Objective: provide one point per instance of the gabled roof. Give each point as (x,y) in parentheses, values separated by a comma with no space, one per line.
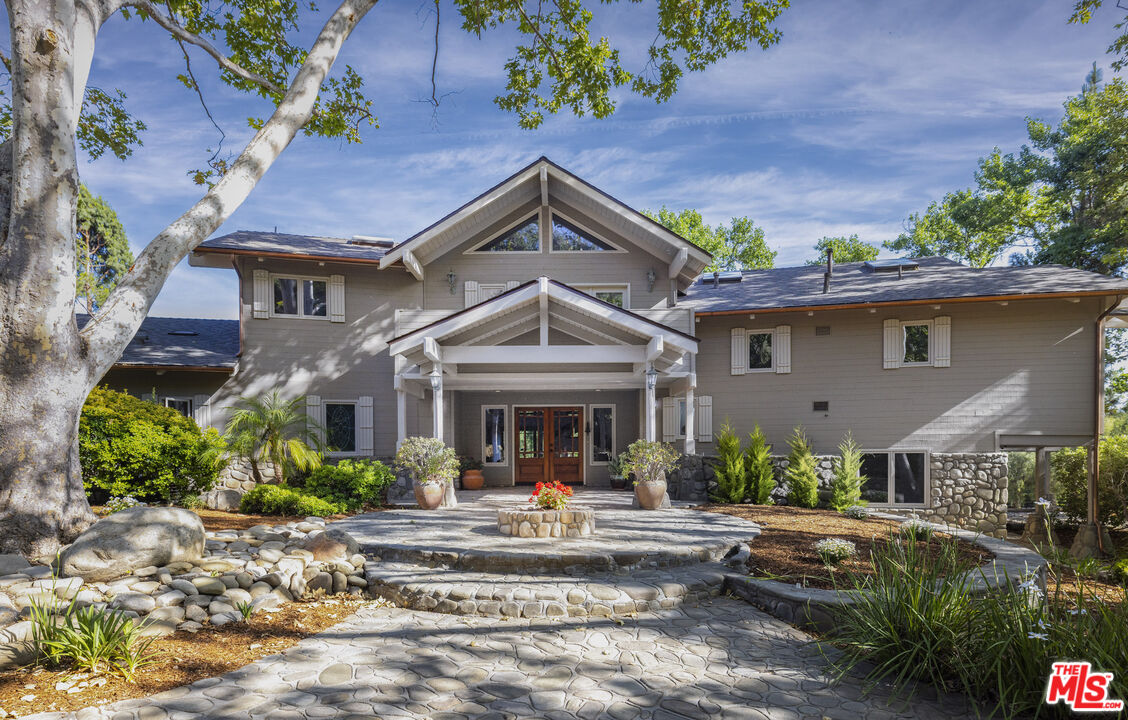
(188,343)
(306,247)
(534,297)
(542,178)
(936,279)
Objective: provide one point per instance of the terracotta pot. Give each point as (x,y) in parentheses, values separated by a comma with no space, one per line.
(618,482)
(651,492)
(472,480)
(429,495)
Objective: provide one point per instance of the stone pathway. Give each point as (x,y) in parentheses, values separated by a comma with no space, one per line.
(723,659)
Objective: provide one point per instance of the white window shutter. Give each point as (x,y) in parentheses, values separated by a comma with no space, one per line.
(739,351)
(337,298)
(942,343)
(470,293)
(315,411)
(781,349)
(262,293)
(704,418)
(364,425)
(509,285)
(894,347)
(670,419)
(201,411)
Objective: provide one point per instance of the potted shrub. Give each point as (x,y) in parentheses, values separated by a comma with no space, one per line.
(432,467)
(649,462)
(615,466)
(471,468)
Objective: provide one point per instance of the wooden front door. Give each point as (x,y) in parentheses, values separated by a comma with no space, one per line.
(550,444)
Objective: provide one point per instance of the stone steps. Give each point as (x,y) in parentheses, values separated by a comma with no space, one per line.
(460,592)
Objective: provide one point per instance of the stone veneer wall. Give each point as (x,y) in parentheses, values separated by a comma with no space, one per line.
(965,489)
(572,523)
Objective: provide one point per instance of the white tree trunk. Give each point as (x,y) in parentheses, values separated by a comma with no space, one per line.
(47,367)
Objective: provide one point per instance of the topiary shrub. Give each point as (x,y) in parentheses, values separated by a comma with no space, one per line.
(351,484)
(129,446)
(729,467)
(282,500)
(758,468)
(846,485)
(802,475)
(1070,477)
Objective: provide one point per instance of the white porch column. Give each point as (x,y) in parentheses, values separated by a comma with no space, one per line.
(437,401)
(401,417)
(690,424)
(651,381)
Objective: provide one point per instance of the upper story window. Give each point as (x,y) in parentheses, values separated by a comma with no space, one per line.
(916,343)
(760,350)
(525,237)
(301,297)
(182,405)
(617,295)
(567,237)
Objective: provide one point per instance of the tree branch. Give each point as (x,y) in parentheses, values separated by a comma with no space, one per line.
(183,35)
(121,314)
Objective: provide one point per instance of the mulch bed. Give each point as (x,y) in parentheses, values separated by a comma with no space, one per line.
(1064,583)
(785,549)
(182,658)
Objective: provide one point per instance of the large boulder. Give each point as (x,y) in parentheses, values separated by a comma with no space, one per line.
(332,544)
(138,537)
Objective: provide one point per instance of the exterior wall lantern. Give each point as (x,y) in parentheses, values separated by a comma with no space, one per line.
(436,381)
(651,379)
(650,278)
(451,278)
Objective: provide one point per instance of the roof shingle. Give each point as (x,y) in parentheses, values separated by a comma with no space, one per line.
(256,242)
(181,342)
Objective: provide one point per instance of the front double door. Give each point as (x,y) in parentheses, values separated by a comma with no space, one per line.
(550,444)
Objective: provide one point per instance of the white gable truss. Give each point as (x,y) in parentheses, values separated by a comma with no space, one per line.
(543,180)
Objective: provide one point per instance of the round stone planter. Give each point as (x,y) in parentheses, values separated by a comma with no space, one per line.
(546,523)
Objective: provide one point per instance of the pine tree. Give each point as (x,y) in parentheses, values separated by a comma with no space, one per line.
(729,468)
(802,478)
(758,468)
(846,485)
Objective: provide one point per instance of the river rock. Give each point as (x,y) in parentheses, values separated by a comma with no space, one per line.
(132,538)
(12,564)
(331,545)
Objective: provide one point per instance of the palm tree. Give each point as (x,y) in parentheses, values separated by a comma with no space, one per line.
(276,430)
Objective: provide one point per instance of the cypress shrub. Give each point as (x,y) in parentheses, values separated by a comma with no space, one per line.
(802,477)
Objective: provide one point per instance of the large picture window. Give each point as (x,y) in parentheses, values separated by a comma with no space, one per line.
(300,297)
(602,434)
(525,237)
(895,478)
(493,436)
(340,426)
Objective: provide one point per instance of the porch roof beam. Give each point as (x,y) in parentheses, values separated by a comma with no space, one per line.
(679,261)
(413,265)
(544,355)
(431,350)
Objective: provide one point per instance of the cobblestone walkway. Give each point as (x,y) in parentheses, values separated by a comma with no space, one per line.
(723,659)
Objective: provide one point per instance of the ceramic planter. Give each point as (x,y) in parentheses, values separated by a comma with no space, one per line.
(651,492)
(618,482)
(429,495)
(472,480)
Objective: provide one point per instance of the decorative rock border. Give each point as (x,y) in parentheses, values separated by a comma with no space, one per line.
(492,595)
(578,522)
(816,608)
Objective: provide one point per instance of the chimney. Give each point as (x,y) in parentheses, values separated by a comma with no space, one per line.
(829,270)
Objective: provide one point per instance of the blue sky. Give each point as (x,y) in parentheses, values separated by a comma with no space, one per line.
(863,113)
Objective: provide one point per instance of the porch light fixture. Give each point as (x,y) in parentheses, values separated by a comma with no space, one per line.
(436,381)
(650,278)
(451,277)
(651,379)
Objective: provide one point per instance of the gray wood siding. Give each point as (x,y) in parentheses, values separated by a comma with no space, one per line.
(1024,367)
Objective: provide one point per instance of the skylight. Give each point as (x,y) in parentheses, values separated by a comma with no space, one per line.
(888,266)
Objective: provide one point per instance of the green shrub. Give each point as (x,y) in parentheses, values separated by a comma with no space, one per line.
(846,485)
(1020,478)
(1120,571)
(729,468)
(758,468)
(1070,477)
(129,446)
(647,459)
(282,500)
(802,477)
(351,484)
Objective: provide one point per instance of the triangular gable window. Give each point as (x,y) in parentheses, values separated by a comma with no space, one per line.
(566,237)
(523,238)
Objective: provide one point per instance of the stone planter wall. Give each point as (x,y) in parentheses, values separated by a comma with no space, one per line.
(236,480)
(578,522)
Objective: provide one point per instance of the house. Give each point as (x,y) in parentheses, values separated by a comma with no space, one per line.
(545,325)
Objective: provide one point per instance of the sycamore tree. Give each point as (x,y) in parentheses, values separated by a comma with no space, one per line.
(739,245)
(846,249)
(47,366)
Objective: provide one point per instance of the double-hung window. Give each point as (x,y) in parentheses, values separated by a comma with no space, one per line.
(895,477)
(300,297)
(340,426)
(181,405)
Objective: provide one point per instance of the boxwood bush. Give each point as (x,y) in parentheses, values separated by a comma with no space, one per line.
(351,484)
(283,500)
(129,446)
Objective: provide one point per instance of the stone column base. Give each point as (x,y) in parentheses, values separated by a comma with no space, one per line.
(1086,544)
